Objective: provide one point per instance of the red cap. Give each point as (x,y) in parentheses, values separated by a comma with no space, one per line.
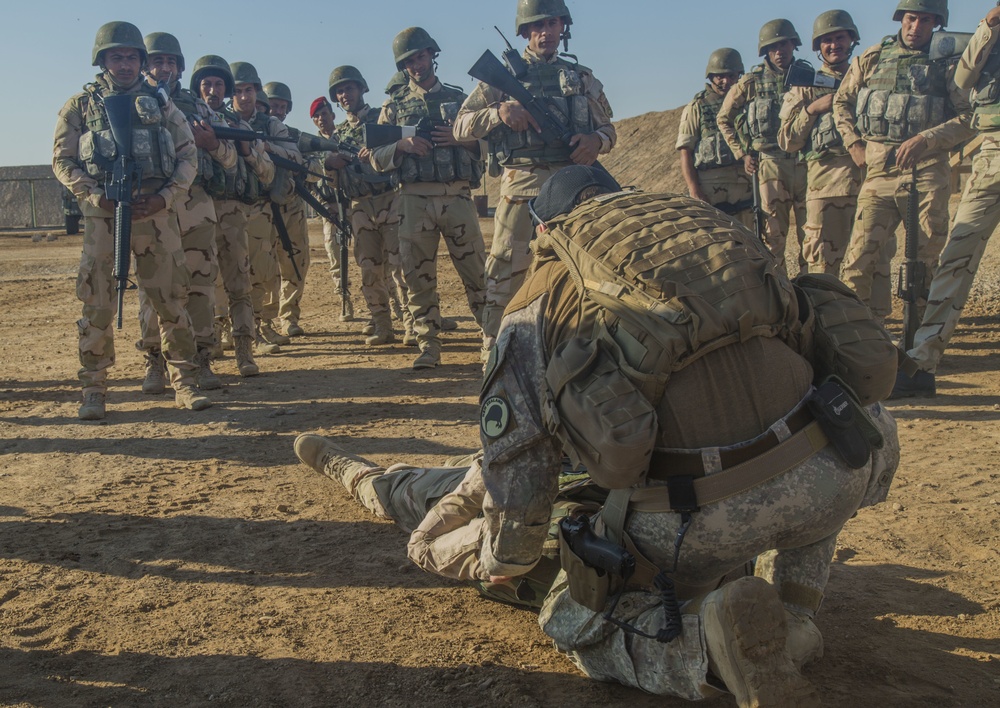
(316,105)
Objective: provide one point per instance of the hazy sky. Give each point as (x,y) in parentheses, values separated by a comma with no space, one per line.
(649,55)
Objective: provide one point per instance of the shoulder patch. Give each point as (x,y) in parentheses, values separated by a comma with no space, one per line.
(494,418)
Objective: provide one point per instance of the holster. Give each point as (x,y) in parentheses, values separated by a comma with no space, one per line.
(588,586)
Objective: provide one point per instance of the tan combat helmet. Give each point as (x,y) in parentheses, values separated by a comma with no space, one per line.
(245,73)
(164,43)
(276,89)
(931,7)
(118,34)
(834,21)
(343,74)
(211,65)
(409,42)
(776,31)
(724,61)
(529,11)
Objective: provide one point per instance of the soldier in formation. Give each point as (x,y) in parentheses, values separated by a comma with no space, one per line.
(711,171)
(977,217)
(83,151)
(807,127)
(519,154)
(755,104)
(212,79)
(437,174)
(899,113)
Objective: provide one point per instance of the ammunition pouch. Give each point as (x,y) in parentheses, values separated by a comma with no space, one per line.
(762,120)
(152,146)
(897,117)
(444,164)
(713,151)
(825,136)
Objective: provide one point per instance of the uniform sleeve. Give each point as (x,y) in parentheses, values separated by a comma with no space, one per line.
(689,130)
(478,116)
(186,167)
(448,540)
(260,162)
(225,154)
(521,459)
(600,111)
(66,154)
(796,124)
(846,98)
(289,151)
(955,130)
(975,55)
(734,102)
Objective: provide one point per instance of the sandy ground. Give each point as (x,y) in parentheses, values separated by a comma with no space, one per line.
(164,557)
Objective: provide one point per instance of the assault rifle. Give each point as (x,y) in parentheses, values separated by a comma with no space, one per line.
(123,180)
(248,135)
(913,272)
(492,72)
(758,206)
(802,73)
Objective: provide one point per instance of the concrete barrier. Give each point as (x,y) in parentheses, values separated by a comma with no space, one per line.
(30,198)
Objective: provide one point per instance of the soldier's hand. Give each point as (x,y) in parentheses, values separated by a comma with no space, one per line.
(415,146)
(444,136)
(857,151)
(909,153)
(204,135)
(698,194)
(821,105)
(516,117)
(993,17)
(364,153)
(147,205)
(335,161)
(243,147)
(588,147)
(106,204)
(750,164)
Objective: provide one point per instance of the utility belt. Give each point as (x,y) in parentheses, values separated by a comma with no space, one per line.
(827,415)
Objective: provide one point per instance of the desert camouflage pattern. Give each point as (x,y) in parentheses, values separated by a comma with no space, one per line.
(762,82)
(782,192)
(722,185)
(263,261)
(332,247)
(232,296)
(160,273)
(977,217)
(424,221)
(375,221)
(509,255)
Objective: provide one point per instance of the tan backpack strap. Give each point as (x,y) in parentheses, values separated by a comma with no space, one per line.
(614,514)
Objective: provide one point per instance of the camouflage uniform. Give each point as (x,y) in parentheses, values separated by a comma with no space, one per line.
(198,220)
(722,177)
(833,179)
(891,68)
(979,211)
(781,175)
(429,209)
(709,405)
(374,219)
(156,243)
(526,168)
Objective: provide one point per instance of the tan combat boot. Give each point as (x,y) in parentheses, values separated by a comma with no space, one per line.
(187,396)
(262,345)
(216,351)
(428,359)
(409,336)
(156,381)
(382,332)
(93,407)
(745,630)
(244,356)
(369,328)
(448,324)
(347,312)
(332,461)
(207,380)
(226,335)
(397,309)
(294,330)
(271,335)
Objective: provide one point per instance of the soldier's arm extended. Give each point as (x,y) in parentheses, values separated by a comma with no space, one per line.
(955,130)
(732,106)
(479,114)
(186,168)
(260,162)
(289,151)
(974,58)
(66,155)
(796,122)
(688,135)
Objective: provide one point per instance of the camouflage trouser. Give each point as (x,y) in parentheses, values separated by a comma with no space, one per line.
(375,221)
(782,190)
(881,208)
(263,266)
(285,289)
(731,186)
(425,219)
(232,295)
(202,264)
(828,228)
(160,272)
(332,247)
(508,261)
(977,217)
(799,512)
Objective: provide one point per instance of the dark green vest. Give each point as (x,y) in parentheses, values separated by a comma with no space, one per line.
(352,177)
(986,95)
(712,149)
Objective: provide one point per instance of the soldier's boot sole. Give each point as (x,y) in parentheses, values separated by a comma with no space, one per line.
(188,397)
(805,641)
(746,633)
(93,408)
